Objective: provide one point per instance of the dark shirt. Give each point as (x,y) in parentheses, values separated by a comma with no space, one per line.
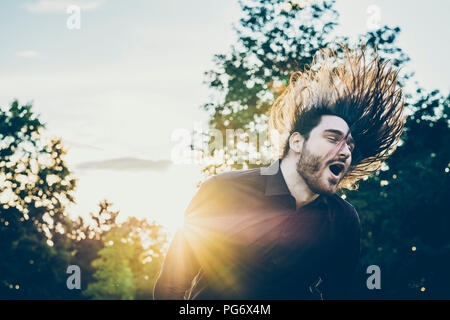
(243,238)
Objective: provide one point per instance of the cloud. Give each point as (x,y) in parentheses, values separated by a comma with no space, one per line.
(126,164)
(60,6)
(27,54)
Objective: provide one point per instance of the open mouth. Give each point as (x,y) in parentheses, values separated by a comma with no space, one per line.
(336,169)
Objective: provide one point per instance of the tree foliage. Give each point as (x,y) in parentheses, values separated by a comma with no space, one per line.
(36,186)
(129,261)
(38,240)
(403,207)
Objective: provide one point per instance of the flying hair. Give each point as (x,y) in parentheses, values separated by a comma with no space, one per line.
(364,92)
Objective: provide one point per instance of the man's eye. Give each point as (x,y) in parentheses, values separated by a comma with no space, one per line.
(351,147)
(332,139)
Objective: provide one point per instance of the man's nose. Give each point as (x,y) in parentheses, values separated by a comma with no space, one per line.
(345,152)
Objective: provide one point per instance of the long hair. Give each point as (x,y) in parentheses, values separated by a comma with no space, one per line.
(364,93)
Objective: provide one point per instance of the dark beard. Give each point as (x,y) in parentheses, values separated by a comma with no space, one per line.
(309,168)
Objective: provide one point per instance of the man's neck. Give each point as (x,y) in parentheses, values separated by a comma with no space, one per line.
(295,183)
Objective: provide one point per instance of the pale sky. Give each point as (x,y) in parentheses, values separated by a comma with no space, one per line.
(116,89)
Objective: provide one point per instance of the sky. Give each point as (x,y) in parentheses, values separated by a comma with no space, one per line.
(116,89)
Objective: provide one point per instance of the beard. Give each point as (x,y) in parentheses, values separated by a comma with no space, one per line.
(311,168)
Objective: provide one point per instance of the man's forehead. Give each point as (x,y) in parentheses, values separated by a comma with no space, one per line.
(333,123)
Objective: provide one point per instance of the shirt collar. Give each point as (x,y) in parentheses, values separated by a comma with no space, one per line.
(275,183)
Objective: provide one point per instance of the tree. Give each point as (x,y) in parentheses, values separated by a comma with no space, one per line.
(36,186)
(38,241)
(403,208)
(129,262)
(88,239)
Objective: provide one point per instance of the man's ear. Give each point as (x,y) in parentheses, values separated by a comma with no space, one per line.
(296,142)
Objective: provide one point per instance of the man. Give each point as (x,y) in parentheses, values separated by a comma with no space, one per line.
(282,232)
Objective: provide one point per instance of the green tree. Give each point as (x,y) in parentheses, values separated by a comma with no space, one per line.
(403,208)
(88,239)
(129,262)
(38,241)
(36,186)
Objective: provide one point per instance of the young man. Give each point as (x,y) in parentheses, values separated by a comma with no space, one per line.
(281,232)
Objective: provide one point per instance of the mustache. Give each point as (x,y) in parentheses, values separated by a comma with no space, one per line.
(336,158)
(341,161)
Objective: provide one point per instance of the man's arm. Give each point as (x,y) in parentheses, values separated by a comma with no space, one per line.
(181,264)
(179,268)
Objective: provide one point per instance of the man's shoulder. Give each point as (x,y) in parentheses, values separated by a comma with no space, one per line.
(235,177)
(223,190)
(234,183)
(347,209)
(244,174)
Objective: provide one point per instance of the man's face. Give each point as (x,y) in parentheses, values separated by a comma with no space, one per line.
(326,155)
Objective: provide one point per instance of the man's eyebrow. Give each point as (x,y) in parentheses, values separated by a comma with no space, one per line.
(339,133)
